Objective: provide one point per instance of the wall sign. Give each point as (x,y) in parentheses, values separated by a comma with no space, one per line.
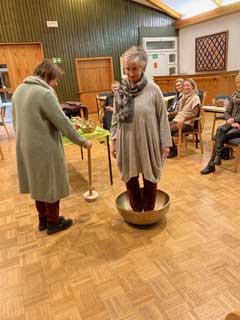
(52,24)
(57,60)
(211,52)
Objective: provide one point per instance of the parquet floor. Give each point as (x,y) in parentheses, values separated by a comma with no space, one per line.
(187,268)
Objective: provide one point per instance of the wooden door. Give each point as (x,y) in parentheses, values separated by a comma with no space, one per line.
(21,60)
(94,75)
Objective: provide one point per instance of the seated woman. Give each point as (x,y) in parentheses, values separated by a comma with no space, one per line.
(108,106)
(230,130)
(188,110)
(173,108)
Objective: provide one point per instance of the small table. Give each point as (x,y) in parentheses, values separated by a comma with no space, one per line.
(215,110)
(99,134)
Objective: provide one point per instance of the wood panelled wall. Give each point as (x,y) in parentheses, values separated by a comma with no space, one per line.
(88,28)
(220,83)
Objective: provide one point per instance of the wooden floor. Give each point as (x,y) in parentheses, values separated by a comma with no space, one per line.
(186,268)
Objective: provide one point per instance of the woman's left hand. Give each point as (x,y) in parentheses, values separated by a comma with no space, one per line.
(165,152)
(180,124)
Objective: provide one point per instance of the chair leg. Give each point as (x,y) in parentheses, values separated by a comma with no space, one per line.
(179,142)
(201,142)
(213,127)
(1,153)
(6,129)
(81,152)
(196,140)
(237,159)
(185,143)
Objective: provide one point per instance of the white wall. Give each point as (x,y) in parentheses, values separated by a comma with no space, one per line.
(187,37)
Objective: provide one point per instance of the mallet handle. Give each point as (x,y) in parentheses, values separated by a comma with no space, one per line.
(89,171)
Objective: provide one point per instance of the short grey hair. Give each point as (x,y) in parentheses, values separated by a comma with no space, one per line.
(136,54)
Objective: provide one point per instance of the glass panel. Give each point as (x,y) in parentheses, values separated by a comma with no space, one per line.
(160,45)
(172,71)
(172,58)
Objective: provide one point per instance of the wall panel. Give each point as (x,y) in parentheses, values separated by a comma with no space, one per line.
(87,28)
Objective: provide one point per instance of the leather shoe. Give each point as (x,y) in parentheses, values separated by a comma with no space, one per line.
(61,225)
(208,169)
(217,161)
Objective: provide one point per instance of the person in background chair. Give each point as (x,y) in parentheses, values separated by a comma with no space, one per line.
(188,110)
(108,106)
(230,130)
(173,108)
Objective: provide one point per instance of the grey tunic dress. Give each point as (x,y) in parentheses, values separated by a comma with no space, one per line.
(138,144)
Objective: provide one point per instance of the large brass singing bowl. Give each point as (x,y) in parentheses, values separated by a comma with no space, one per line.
(146,217)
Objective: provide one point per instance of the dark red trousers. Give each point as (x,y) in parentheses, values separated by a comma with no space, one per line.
(141,200)
(49,210)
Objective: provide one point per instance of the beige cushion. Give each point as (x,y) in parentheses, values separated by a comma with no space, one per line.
(219,103)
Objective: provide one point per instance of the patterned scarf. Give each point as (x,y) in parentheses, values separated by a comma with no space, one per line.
(236,97)
(124,99)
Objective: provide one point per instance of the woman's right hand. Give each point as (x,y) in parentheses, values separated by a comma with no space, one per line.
(113,148)
(87,145)
(230,121)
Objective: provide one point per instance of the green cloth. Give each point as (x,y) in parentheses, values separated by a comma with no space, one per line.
(98,134)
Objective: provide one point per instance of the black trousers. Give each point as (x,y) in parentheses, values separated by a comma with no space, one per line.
(107,119)
(223,134)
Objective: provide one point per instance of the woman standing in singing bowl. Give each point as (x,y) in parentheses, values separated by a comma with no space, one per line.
(140,130)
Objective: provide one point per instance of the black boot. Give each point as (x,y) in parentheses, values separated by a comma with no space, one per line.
(173,152)
(42,223)
(62,224)
(217,160)
(208,169)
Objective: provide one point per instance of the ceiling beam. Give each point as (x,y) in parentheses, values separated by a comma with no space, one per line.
(218,2)
(163,7)
(212,14)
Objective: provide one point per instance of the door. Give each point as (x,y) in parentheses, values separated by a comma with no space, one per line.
(20,59)
(94,75)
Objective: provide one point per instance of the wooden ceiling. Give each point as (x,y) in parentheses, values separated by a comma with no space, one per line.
(212,14)
(159,5)
(181,23)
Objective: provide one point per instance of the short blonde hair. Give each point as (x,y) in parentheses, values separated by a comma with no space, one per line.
(136,54)
(238,76)
(193,84)
(181,80)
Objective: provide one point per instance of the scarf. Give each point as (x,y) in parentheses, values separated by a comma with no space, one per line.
(187,98)
(124,99)
(236,97)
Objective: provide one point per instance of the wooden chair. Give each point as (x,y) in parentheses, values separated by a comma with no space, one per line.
(100,100)
(218,116)
(202,95)
(2,122)
(196,135)
(233,316)
(235,145)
